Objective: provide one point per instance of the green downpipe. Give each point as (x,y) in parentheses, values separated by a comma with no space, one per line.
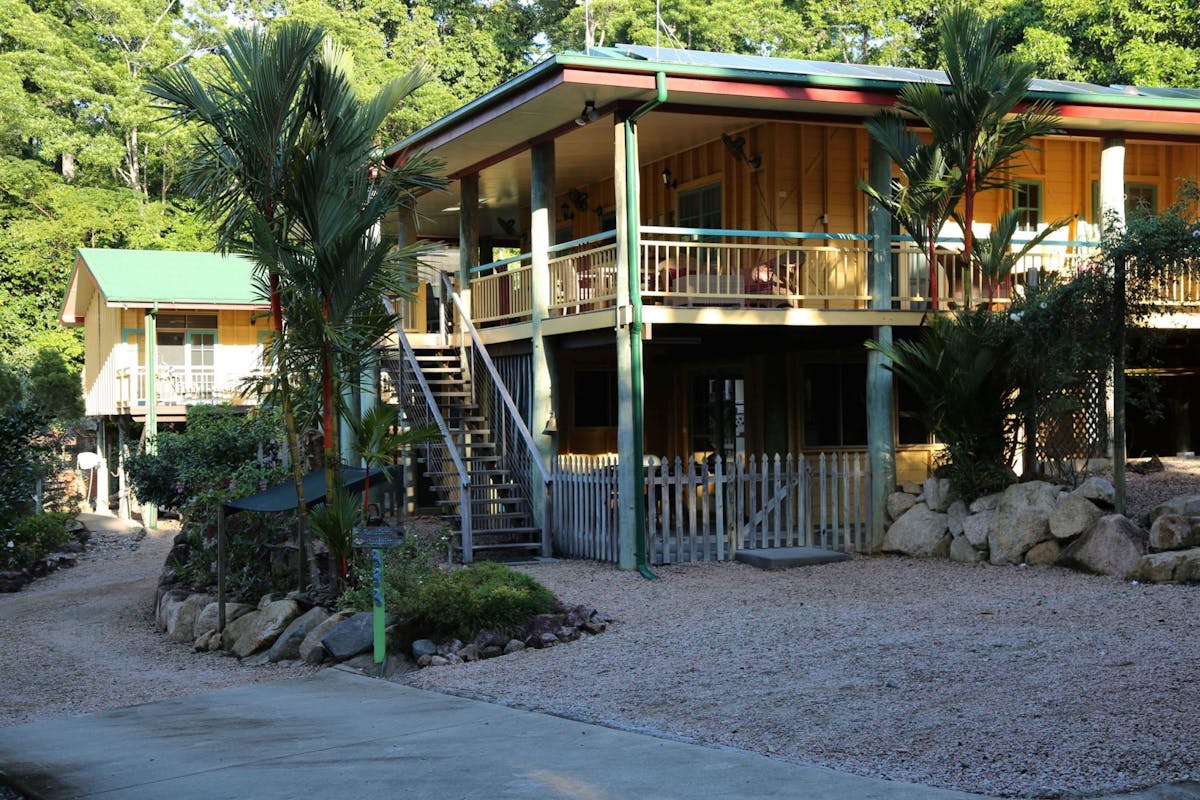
(633,210)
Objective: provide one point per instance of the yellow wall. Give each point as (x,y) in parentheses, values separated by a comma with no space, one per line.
(811,169)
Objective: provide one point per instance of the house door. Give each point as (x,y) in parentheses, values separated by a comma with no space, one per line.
(718,413)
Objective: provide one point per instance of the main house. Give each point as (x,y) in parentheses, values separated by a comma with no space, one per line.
(686,227)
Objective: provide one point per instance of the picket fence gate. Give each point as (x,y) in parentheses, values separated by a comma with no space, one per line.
(708,510)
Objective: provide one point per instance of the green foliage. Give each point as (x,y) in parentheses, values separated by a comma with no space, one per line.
(1141,42)
(20,466)
(54,388)
(32,537)
(333,523)
(960,369)
(218,441)
(195,471)
(980,375)
(459,602)
(485,595)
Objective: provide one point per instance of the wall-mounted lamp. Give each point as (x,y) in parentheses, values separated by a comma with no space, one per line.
(668,180)
(566,212)
(589,114)
(551,424)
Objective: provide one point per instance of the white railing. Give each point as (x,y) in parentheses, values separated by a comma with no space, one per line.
(959,285)
(705,510)
(763,269)
(509,432)
(709,267)
(175,386)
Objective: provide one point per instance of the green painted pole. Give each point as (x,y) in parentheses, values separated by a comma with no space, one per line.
(149,510)
(633,209)
(378,620)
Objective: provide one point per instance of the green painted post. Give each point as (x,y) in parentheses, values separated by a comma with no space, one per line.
(379,621)
(149,510)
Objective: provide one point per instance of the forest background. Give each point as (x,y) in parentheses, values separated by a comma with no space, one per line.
(87,161)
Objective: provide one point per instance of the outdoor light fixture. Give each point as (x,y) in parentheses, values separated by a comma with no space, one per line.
(667,180)
(589,114)
(565,210)
(551,424)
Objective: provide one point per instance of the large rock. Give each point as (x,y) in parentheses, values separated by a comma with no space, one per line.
(938,494)
(1072,516)
(207,619)
(986,503)
(910,487)
(168,606)
(287,646)
(1112,547)
(1098,490)
(1187,505)
(311,649)
(1160,567)
(921,533)
(1044,553)
(1189,570)
(964,552)
(1021,520)
(182,624)
(976,527)
(956,514)
(259,629)
(898,503)
(1175,532)
(350,637)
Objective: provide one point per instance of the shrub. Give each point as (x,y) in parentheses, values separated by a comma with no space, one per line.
(33,537)
(483,595)
(459,602)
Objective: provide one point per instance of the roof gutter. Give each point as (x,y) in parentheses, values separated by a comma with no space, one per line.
(633,212)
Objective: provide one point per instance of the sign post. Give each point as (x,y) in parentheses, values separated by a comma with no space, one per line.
(378,538)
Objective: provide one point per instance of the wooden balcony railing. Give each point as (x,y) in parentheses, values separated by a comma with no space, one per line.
(176,386)
(701,267)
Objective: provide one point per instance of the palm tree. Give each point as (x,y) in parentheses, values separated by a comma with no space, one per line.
(286,160)
(249,117)
(974,121)
(923,198)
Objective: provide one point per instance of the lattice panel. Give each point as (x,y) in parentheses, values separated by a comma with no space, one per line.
(1081,431)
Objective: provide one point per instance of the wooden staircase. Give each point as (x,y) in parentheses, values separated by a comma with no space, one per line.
(500,513)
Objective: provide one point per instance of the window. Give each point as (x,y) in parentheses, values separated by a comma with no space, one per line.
(835,405)
(700,208)
(596,398)
(1141,198)
(1027,202)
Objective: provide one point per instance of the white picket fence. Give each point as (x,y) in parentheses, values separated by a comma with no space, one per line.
(704,511)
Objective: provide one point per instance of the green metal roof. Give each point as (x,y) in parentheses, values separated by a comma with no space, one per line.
(167,276)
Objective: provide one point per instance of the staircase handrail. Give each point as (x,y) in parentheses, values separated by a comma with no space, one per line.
(509,405)
(461,468)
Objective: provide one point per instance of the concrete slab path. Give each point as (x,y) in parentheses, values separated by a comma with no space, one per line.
(341,735)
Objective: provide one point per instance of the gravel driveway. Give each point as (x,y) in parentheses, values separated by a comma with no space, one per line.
(998,680)
(83,639)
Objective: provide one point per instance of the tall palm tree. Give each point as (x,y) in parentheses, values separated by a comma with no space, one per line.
(287,162)
(249,117)
(923,198)
(975,121)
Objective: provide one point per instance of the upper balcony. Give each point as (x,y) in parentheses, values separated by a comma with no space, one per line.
(770,272)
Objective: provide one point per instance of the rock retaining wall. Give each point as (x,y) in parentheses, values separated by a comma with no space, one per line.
(1041,523)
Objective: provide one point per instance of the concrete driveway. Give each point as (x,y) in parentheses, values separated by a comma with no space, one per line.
(341,735)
